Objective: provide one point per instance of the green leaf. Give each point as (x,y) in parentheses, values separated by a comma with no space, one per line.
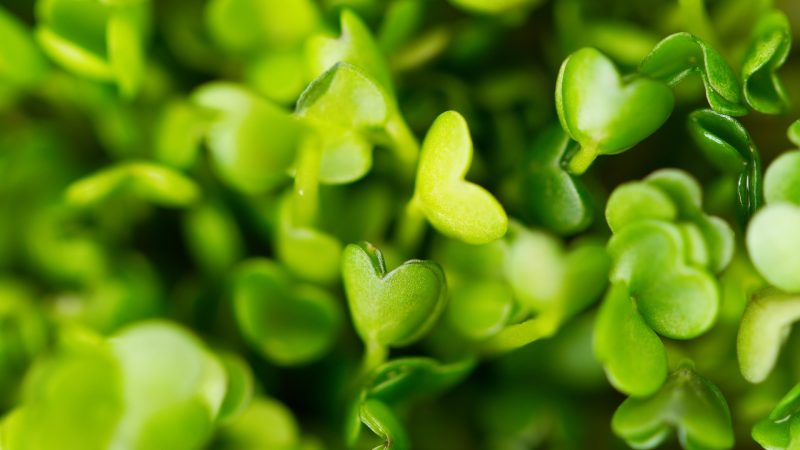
(142,180)
(213,238)
(289,325)
(634,357)
(555,198)
(355,46)
(687,402)
(728,145)
(682,54)
(253,142)
(265,424)
(307,252)
(239,388)
(764,328)
(769,47)
(774,245)
(479,309)
(344,106)
(383,422)
(603,113)
(793,133)
(496,7)
(675,298)
(391,308)
(782,180)
(454,206)
(403,379)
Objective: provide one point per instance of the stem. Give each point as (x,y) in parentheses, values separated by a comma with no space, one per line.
(404,145)
(582,159)
(374,355)
(521,334)
(410,226)
(306,184)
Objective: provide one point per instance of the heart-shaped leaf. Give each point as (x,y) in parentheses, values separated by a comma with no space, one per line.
(555,198)
(143,180)
(391,308)
(769,47)
(634,357)
(728,145)
(253,143)
(548,279)
(688,403)
(289,325)
(675,298)
(781,429)
(782,180)
(774,245)
(682,54)
(344,107)
(455,207)
(603,113)
(765,326)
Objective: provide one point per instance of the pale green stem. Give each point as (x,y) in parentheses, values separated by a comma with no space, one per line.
(521,334)
(306,185)
(582,159)
(410,226)
(404,145)
(374,355)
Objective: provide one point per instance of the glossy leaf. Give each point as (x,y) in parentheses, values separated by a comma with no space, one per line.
(384,423)
(682,54)
(634,357)
(728,145)
(675,298)
(765,326)
(769,48)
(605,114)
(287,324)
(391,308)
(406,378)
(555,198)
(687,403)
(454,206)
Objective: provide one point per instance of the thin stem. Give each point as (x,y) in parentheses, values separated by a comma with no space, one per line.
(521,334)
(411,226)
(374,355)
(404,145)
(306,184)
(582,159)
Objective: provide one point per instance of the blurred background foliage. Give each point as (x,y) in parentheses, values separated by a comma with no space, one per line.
(130,247)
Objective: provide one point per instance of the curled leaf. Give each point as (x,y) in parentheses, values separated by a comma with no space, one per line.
(764,328)
(769,48)
(682,54)
(728,145)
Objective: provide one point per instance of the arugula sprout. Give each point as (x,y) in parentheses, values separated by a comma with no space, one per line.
(387,224)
